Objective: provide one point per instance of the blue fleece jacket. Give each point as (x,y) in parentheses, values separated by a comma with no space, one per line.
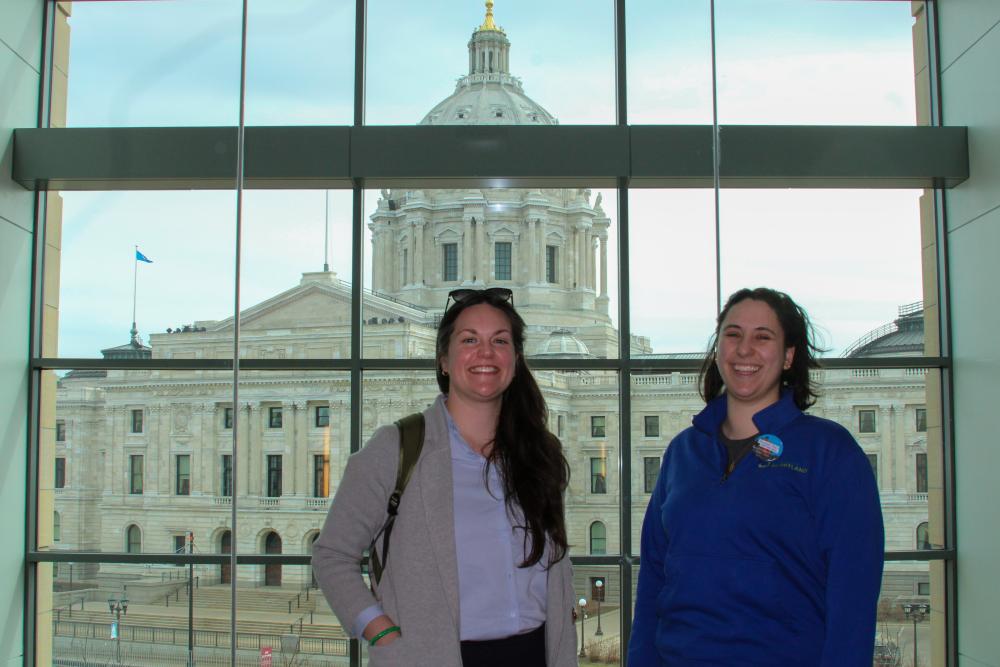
(778,563)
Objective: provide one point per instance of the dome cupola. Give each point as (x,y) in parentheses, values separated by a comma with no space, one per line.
(488,94)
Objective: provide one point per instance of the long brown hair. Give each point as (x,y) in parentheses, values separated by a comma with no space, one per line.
(533,470)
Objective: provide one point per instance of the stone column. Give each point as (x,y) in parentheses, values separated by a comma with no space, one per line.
(604,266)
(542,251)
(591,252)
(894,456)
(159,432)
(411,244)
(300,450)
(531,254)
(385,259)
(377,280)
(418,254)
(465,270)
(206,416)
(581,253)
(249,432)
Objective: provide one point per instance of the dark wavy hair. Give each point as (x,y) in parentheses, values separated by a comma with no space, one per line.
(798,333)
(533,469)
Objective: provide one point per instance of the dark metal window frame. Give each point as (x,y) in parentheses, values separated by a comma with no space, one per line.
(620,156)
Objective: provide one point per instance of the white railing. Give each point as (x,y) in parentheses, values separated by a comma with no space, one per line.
(268,503)
(317,503)
(222,501)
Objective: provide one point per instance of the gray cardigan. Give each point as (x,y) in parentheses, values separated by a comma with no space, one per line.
(419,588)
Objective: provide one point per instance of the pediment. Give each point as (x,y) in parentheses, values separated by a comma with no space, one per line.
(311,307)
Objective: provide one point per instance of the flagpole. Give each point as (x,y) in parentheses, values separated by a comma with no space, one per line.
(135,286)
(326,235)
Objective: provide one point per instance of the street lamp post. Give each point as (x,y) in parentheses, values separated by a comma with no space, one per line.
(599,584)
(917,612)
(190,550)
(118,606)
(583,625)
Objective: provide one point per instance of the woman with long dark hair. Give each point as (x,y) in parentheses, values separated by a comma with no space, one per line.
(763,540)
(477,572)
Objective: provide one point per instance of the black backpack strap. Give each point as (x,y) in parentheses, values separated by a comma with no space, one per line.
(411,441)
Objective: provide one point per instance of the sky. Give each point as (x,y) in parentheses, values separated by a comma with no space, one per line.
(850,257)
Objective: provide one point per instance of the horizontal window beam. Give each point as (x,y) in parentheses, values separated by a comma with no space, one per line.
(305,559)
(636,365)
(642,156)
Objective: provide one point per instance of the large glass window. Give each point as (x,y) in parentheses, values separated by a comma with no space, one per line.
(160,422)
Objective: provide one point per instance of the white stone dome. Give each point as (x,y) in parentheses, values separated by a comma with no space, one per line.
(562,343)
(488,94)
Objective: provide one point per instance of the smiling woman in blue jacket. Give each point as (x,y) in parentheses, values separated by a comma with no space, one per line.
(763,541)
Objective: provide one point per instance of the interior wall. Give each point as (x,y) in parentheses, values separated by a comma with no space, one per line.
(20,68)
(970,50)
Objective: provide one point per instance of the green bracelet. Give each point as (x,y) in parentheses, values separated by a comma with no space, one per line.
(391,628)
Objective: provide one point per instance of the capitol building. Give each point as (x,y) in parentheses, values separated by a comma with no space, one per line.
(144,457)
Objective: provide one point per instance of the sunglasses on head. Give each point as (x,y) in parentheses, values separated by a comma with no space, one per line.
(494,294)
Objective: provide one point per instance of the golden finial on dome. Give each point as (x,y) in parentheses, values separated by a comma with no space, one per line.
(488,23)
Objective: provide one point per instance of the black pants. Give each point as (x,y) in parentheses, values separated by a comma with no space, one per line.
(527,650)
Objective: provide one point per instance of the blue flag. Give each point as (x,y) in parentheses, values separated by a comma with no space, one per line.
(139,257)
